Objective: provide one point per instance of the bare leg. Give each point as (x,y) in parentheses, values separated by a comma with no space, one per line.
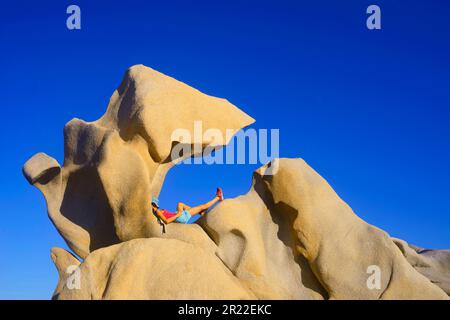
(203,207)
(182,206)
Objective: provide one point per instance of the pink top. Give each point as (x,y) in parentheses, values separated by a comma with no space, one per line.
(168,214)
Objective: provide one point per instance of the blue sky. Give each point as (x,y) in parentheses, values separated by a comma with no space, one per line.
(369,110)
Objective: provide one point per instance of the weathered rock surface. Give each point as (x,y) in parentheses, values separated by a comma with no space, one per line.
(289,237)
(114,165)
(149,269)
(433,264)
(337,244)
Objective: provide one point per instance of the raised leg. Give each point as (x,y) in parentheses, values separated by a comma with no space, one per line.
(203,207)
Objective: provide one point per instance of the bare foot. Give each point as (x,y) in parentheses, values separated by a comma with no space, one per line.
(219,193)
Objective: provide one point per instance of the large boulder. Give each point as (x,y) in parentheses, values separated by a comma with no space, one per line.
(339,246)
(258,245)
(146,269)
(114,165)
(433,264)
(290,237)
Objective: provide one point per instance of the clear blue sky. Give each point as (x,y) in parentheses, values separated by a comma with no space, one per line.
(369,110)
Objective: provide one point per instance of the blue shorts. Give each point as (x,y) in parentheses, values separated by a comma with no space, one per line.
(184,217)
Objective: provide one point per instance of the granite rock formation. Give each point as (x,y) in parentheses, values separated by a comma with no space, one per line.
(290,237)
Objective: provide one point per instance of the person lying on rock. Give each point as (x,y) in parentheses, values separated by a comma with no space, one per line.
(184,213)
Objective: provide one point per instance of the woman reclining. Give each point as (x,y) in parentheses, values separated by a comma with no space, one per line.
(184,213)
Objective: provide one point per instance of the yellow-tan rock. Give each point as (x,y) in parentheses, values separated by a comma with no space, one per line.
(339,246)
(113,166)
(433,264)
(147,269)
(290,237)
(257,245)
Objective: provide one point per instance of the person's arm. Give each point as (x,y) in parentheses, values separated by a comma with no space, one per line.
(160,214)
